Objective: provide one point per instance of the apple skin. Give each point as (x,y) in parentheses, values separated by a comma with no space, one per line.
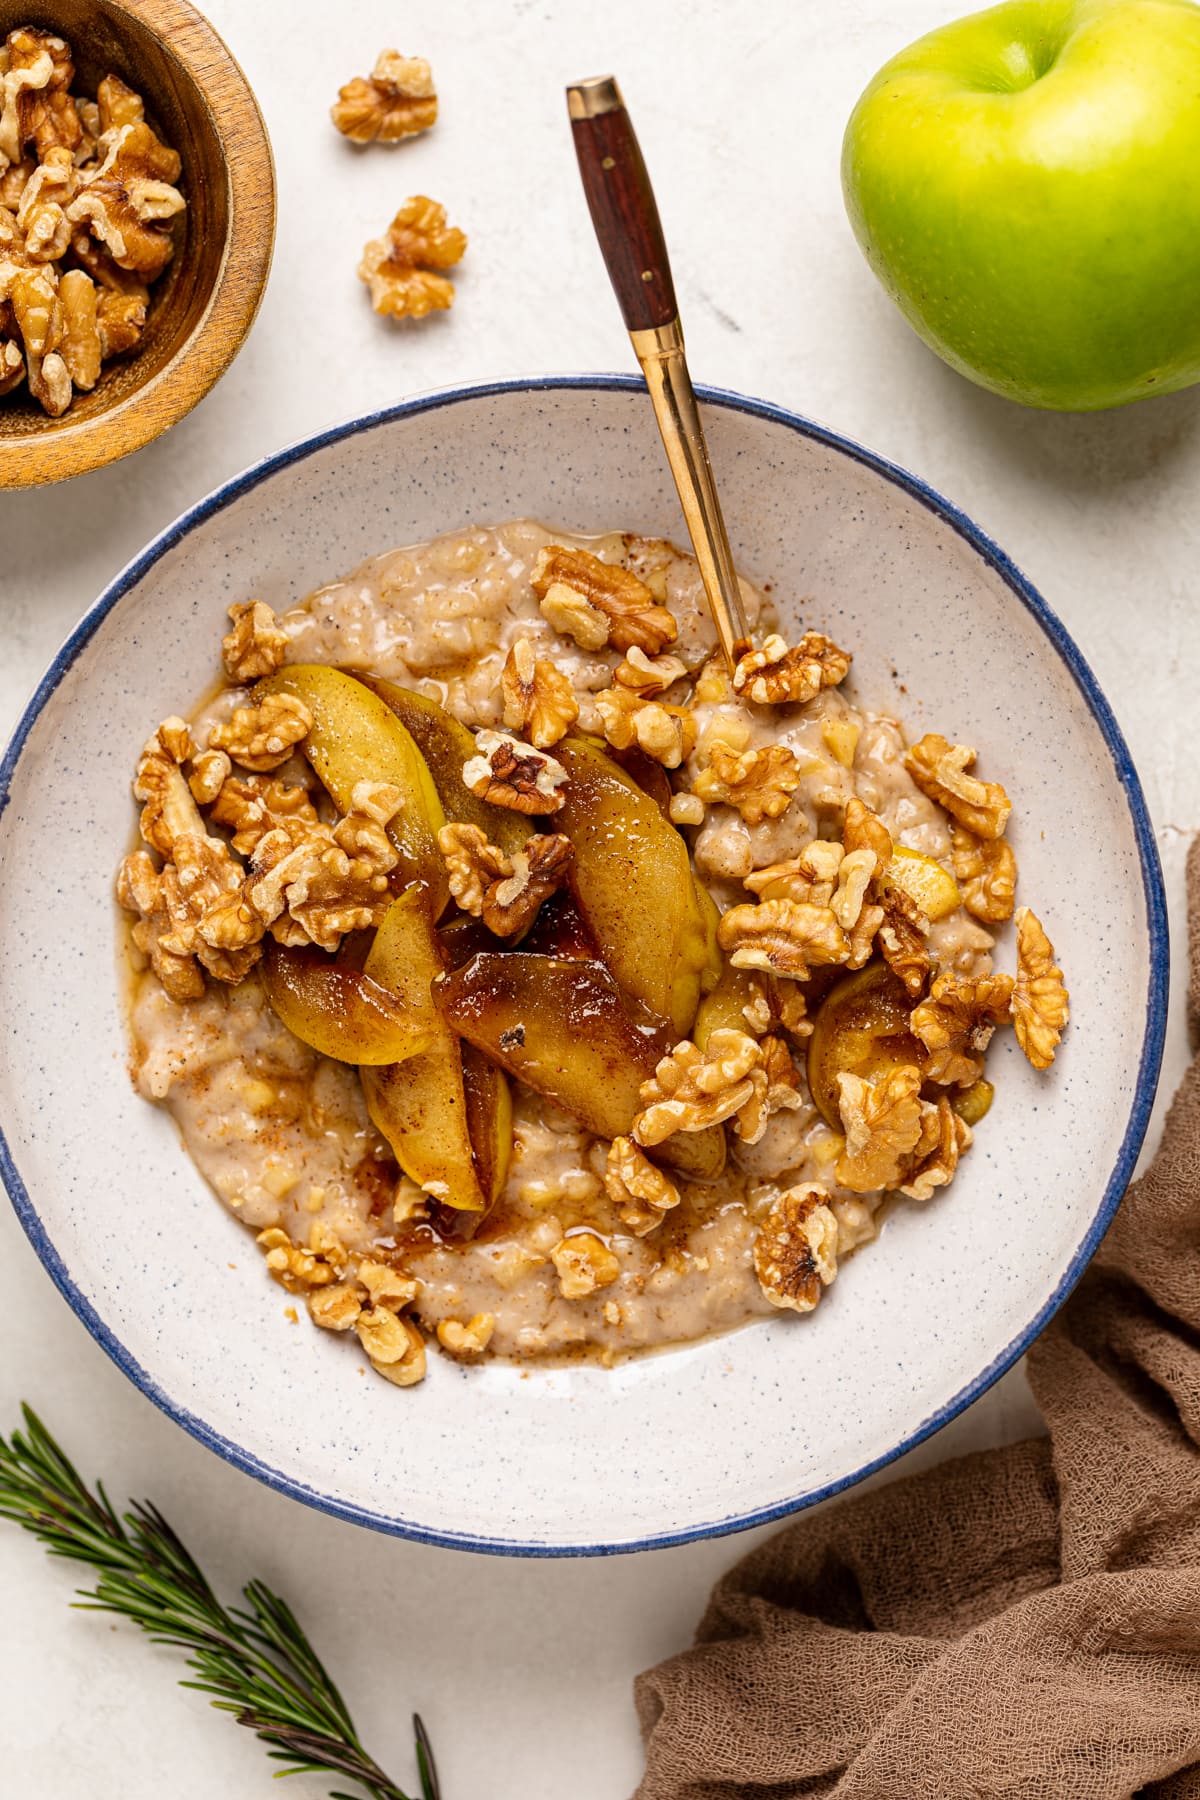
(1025,183)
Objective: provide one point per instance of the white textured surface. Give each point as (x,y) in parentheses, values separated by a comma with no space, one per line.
(522,1670)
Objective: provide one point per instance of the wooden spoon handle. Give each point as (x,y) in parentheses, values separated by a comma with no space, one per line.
(621,202)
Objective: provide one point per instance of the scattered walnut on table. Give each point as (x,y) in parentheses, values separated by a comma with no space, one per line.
(760,783)
(666,733)
(1040,1007)
(986,871)
(538,698)
(882,1121)
(255,646)
(506,772)
(776,674)
(263,735)
(401,269)
(584,1263)
(641,1193)
(782,937)
(629,615)
(795,1252)
(692,1089)
(939,769)
(397,100)
(955,1023)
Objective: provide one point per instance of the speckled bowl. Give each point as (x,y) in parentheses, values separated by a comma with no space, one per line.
(726,1433)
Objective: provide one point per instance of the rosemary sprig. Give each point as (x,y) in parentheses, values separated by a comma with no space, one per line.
(254,1660)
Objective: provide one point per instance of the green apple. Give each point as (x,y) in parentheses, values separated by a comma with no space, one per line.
(1026,185)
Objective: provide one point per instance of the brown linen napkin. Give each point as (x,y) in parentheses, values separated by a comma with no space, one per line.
(1025,1621)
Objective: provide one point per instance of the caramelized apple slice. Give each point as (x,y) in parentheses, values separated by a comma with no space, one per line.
(565,1029)
(354,738)
(420,1105)
(446,745)
(337,1009)
(559,930)
(489,1118)
(860,1029)
(722,1007)
(633,884)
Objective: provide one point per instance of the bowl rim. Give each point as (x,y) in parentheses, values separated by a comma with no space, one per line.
(42,457)
(1152,886)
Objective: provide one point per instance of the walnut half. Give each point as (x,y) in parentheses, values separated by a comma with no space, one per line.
(795,1252)
(396,100)
(1040,1001)
(401,270)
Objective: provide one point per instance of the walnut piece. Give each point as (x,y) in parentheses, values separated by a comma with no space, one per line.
(1039,1002)
(648,676)
(782,937)
(760,783)
(939,769)
(882,1121)
(944,1137)
(780,1090)
(294,1267)
(776,674)
(902,931)
(127,201)
(666,733)
(394,1345)
(692,1089)
(776,1006)
(469,1339)
(335,1308)
(865,830)
(987,874)
(631,616)
(584,1263)
(641,1193)
(400,269)
(81,349)
(255,646)
(506,772)
(250,806)
(538,699)
(956,1021)
(395,101)
(504,891)
(795,1252)
(263,735)
(312,882)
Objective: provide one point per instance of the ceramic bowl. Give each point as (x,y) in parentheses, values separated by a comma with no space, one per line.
(204,304)
(725,1433)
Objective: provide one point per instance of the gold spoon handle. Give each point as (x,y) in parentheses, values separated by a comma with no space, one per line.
(625,217)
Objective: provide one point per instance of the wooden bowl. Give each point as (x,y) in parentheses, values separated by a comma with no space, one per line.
(202,307)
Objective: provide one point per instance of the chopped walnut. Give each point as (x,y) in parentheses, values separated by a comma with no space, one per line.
(211,769)
(256,646)
(81,350)
(641,1193)
(508,773)
(780,1090)
(49,382)
(296,1268)
(686,809)
(401,269)
(692,1089)
(666,733)
(939,769)
(882,1121)
(316,886)
(782,937)
(987,874)
(139,889)
(505,891)
(648,676)
(469,1339)
(944,1137)
(901,937)
(538,698)
(776,1005)
(36,308)
(395,101)
(40,213)
(263,736)
(857,870)
(1039,1003)
(394,1345)
(632,616)
(335,1308)
(775,674)
(584,1263)
(795,1252)
(120,321)
(865,830)
(387,1285)
(955,1024)
(250,806)
(811,875)
(760,783)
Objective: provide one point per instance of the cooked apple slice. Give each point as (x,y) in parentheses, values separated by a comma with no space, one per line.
(924,880)
(489,1118)
(356,737)
(420,1105)
(558,930)
(633,884)
(446,745)
(565,1029)
(860,1029)
(722,1007)
(337,1009)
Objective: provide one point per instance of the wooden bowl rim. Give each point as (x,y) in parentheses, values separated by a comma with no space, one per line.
(201,360)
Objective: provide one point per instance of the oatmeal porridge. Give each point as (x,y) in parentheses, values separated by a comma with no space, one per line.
(529,983)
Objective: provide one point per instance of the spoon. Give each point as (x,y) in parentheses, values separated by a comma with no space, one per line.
(625,216)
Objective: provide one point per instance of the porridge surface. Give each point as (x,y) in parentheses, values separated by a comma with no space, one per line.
(282,1133)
